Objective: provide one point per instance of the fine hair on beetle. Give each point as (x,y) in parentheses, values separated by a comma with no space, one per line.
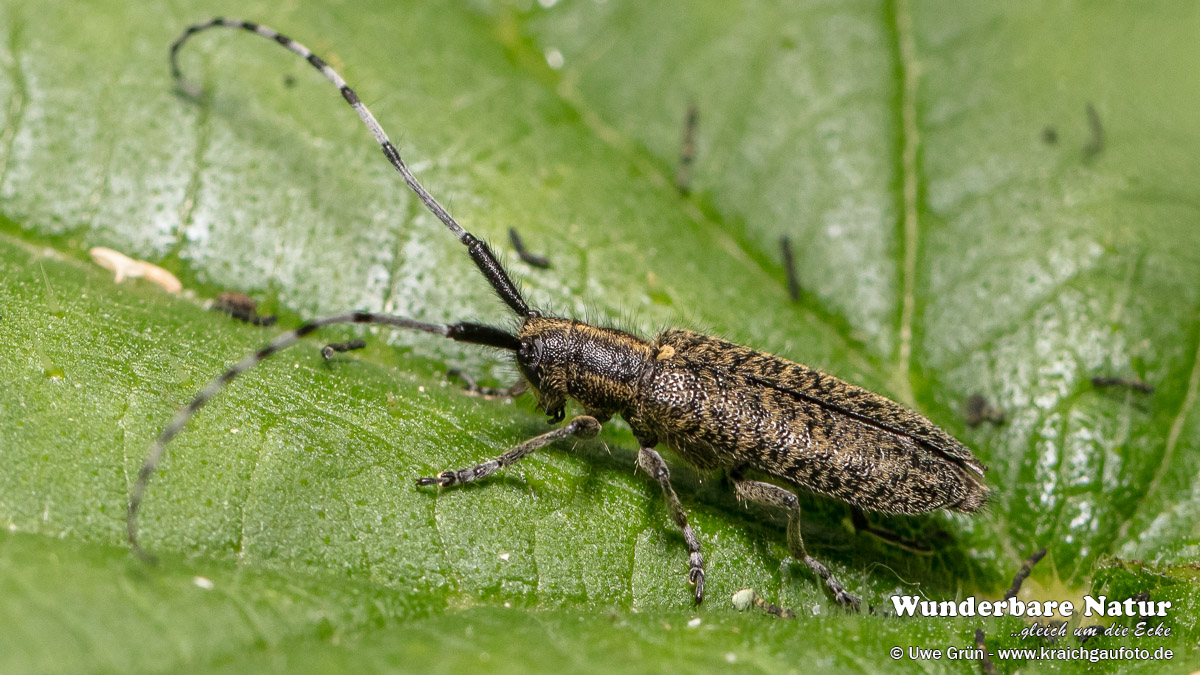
(716,404)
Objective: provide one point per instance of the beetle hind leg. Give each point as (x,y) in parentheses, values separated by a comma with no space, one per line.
(773,495)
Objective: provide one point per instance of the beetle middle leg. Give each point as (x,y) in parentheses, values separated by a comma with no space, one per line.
(652,463)
(582,426)
(773,495)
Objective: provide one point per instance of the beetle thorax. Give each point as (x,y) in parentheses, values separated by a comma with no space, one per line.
(599,367)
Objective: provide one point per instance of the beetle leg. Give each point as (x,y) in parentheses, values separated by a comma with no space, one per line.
(469,385)
(582,426)
(773,495)
(652,463)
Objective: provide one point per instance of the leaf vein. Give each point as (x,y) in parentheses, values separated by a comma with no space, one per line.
(16,107)
(1185,408)
(910,224)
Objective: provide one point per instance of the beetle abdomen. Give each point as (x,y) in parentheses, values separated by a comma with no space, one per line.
(723,405)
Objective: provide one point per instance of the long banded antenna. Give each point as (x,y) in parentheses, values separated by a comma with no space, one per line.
(463,332)
(479,251)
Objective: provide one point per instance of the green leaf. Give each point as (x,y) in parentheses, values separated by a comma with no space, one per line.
(945,247)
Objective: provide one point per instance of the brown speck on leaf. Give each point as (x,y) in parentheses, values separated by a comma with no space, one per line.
(979,410)
(687,150)
(242,307)
(531,259)
(1127,382)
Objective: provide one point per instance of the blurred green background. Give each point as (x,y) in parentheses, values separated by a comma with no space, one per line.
(960,227)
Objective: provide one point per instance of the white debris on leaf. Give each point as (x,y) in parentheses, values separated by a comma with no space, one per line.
(123,267)
(119,263)
(743,599)
(694,623)
(202,582)
(157,275)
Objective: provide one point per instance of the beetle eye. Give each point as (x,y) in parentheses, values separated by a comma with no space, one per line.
(530,352)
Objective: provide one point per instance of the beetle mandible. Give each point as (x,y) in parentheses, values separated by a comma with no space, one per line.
(716,404)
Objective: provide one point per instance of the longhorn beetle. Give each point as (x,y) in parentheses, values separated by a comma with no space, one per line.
(718,405)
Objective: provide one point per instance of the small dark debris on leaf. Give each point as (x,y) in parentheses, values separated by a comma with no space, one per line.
(532,259)
(232,302)
(289,81)
(1096,143)
(330,349)
(1141,596)
(789,267)
(1024,572)
(978,411)
(1049,135)
(243,308)
(1127,382)
(687,150)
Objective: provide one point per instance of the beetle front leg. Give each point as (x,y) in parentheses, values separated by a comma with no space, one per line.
(582,426)
(516,389)
(773,495)
(652,463)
